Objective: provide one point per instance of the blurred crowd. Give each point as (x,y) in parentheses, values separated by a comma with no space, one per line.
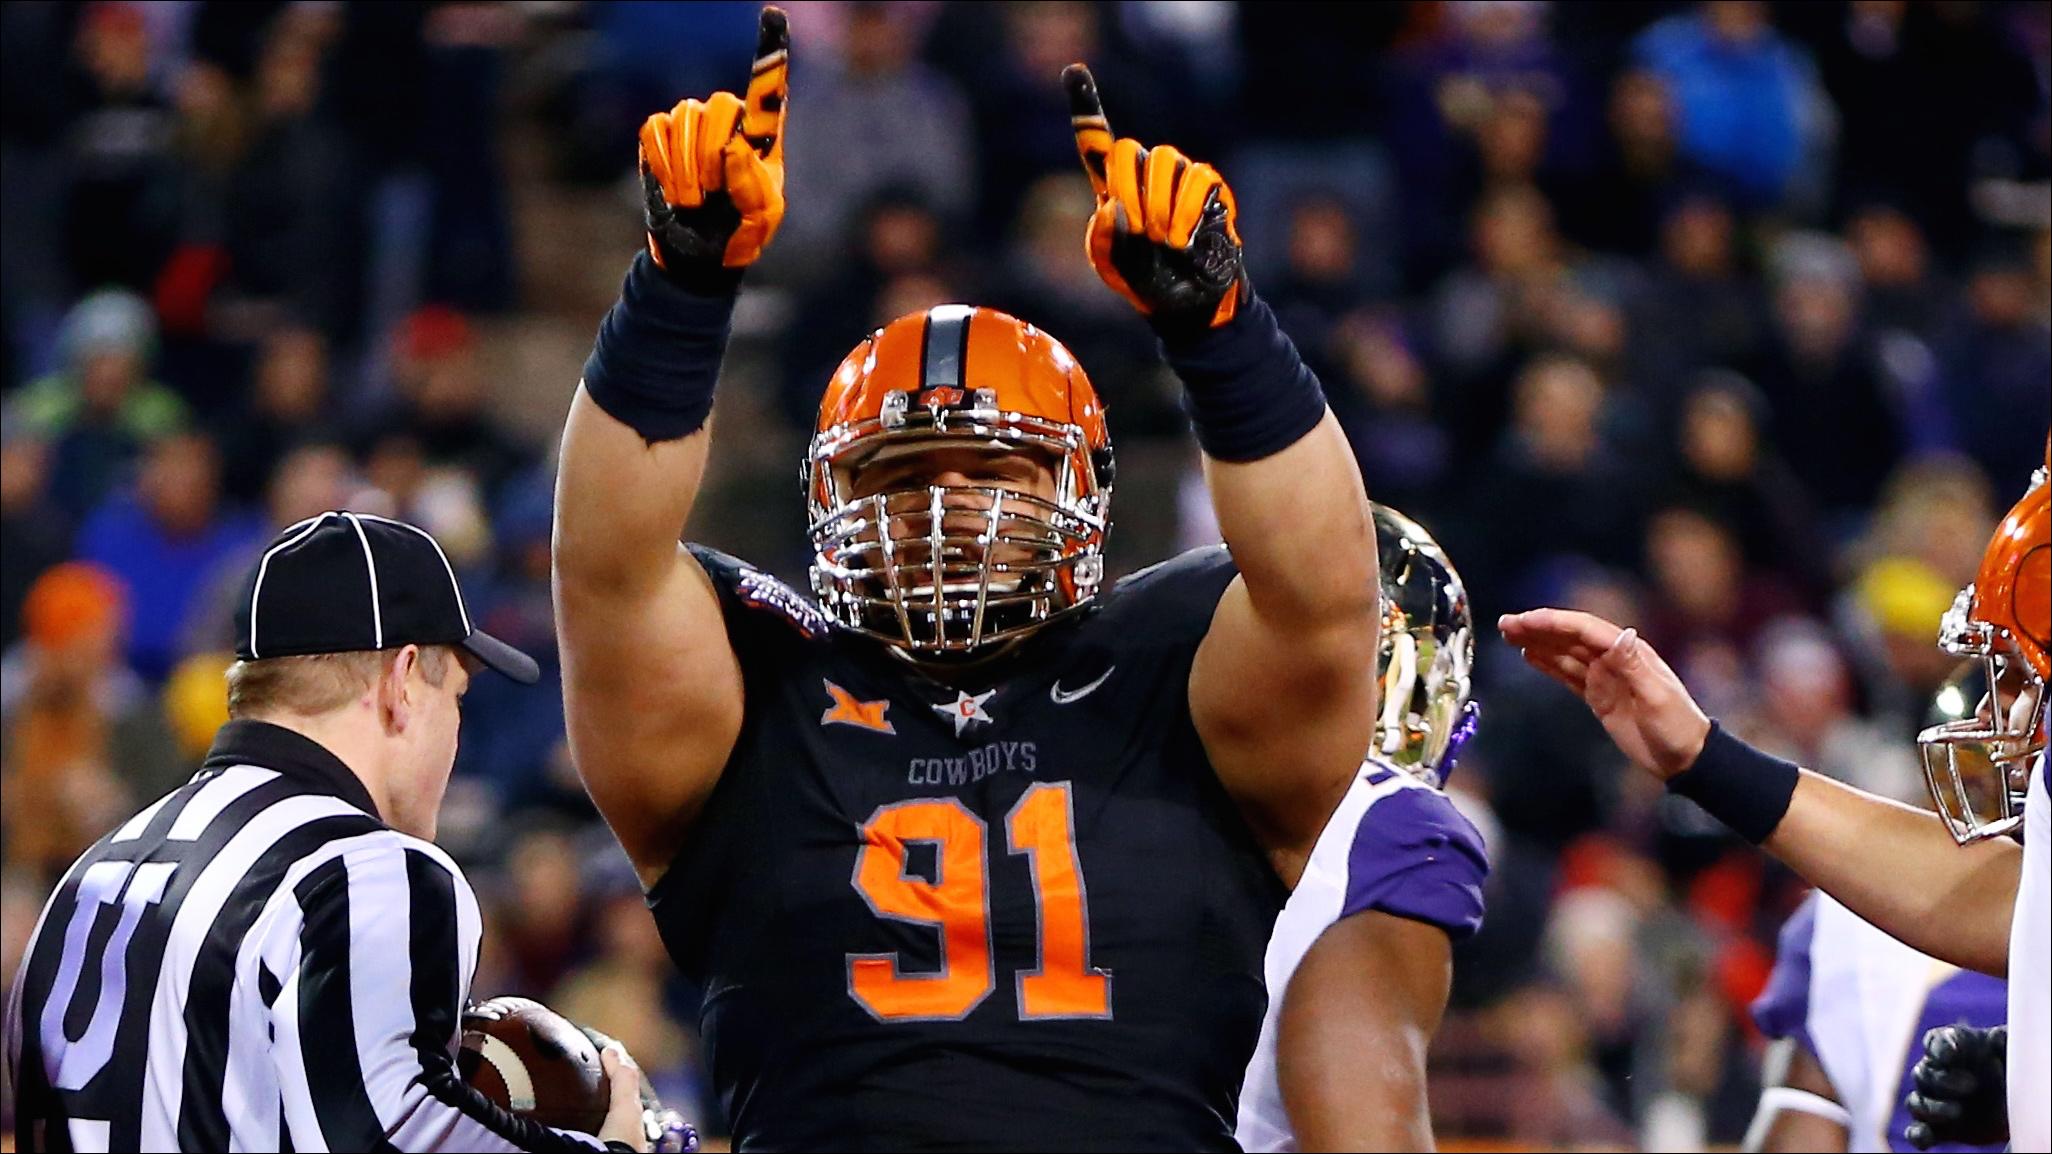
(1728,319)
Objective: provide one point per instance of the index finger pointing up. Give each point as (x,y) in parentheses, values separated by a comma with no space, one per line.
(769,86)
(1086,117)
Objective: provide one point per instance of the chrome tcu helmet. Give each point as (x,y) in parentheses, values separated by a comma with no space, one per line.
(1978,760)
(945,570)
(1426,653)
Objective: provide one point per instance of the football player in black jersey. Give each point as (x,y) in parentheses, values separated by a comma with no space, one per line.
(971,848)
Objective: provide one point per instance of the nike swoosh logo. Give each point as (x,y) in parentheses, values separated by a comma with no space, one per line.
(1064,697)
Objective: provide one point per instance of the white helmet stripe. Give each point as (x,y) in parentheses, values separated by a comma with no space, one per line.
(943,357)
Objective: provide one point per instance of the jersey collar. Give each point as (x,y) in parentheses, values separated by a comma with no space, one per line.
(301,758)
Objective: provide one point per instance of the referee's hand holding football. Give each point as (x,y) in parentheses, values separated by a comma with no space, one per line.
(623,1113)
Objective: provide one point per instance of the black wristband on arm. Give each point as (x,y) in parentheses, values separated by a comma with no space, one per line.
(1248,393)
(658,354)
(1738,785)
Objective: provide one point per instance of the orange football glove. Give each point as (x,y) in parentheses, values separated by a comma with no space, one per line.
(1164,235)
(712,171)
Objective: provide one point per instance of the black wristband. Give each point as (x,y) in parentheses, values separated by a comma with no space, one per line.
(1248,393)
(658,354)
(1738,785)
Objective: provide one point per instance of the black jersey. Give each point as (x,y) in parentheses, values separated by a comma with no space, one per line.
(1015,912)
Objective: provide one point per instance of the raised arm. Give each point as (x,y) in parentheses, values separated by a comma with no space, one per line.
(651,687)
(1895,866)
(1283,690)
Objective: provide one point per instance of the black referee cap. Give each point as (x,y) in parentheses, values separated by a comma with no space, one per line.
(343,582)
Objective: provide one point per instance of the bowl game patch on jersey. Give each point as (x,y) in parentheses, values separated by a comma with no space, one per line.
(761,591)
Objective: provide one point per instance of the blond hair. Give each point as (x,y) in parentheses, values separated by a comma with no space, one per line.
(318,683)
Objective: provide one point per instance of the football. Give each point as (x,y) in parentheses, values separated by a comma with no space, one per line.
(535,1062)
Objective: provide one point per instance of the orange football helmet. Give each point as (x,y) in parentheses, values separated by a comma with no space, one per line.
(1979,765)
(948,569)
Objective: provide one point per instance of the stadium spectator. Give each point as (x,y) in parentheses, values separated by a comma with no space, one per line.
(1321,278)
(1806,702)
(1489,314)
(164,540)
(1699,306)
(101,409)
(880,120)
(1902,290)
(542,924)
(1920,549)
(1747,103)
(1000,56)
(1727,468)
(1825,382)
(1480,100)
(1707,605)
(288,406)
(34,534)
(1925,93)
(287,232)
(1617,205)
(442,406)
(1382,394)
(83,735)
(513,736)
(1554,484)
(627,982)
(1996,365)
(120,197)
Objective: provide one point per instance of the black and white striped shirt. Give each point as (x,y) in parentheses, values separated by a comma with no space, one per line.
(255,962)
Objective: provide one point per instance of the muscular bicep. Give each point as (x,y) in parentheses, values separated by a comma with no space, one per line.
(1356,1023)
(651,687)
(653,699)
(1788,1126)
(1286,712)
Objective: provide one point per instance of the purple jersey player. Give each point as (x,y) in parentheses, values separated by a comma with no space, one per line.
(1848,1006)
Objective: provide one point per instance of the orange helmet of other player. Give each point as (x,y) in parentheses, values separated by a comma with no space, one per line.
(1979,765)
(949,568)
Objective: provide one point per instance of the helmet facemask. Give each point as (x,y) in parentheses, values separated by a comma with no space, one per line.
(938,570)
(1978,764)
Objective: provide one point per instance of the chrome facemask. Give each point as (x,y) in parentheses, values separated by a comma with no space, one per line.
(1426,654)
(1989,729)
(949,569)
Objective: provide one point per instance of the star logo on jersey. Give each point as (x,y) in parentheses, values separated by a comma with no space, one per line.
(966,708)
(846,710)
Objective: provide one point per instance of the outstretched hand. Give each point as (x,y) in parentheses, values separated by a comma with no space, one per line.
(712,171)
(1165,234)
(1641,703)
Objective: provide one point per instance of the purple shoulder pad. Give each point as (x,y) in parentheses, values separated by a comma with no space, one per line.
(1415,856)
(1783,1009)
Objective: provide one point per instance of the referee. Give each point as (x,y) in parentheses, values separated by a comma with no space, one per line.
(275,956)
